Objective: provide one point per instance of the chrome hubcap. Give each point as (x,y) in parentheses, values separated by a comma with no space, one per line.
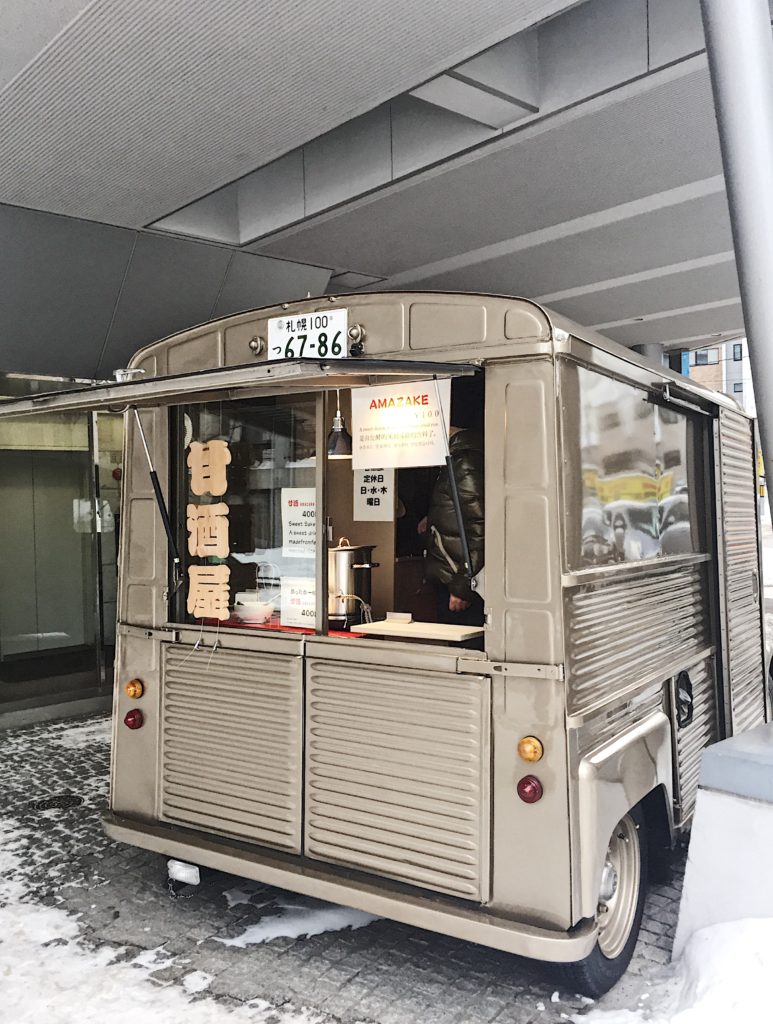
(619,892)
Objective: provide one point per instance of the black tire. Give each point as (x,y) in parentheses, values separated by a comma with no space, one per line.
(598,972)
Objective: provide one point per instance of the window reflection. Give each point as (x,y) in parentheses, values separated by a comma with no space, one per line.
(635,475)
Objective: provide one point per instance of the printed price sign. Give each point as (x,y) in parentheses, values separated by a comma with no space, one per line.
(299,524)
(400,425)
(310,336)
(298,601)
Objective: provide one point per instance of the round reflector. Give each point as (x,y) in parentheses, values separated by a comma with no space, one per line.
(530,748)
(133,719)
(529,789)
(134,688)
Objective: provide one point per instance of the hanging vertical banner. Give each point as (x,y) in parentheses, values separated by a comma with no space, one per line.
(401,425)
(299,530)
(374,495)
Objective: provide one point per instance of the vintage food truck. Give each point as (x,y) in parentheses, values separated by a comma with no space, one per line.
(296,703)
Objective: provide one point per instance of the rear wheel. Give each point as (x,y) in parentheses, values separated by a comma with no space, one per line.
(620,909)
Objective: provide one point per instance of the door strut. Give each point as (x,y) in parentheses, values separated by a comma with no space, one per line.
(177,573)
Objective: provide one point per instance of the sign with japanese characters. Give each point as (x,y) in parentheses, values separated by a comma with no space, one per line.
(309,336)
(400,425)
(207,463)
(299,525)
(298,601)
(208,530)
(208,591)
(374,495)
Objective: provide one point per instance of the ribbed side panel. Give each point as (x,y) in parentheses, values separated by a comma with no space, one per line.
(745,659)
(621,629)
(693,738)
(397,774)
(232,744)
(609,723)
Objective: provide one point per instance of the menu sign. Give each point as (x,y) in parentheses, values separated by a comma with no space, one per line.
(299,525)
(298,601)
(401,425)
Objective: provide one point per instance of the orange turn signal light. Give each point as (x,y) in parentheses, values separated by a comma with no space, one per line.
(134,689)
(530,749)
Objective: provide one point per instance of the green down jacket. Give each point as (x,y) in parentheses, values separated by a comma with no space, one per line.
(444,559)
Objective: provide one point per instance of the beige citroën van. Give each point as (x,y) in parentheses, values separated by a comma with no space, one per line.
(294,701)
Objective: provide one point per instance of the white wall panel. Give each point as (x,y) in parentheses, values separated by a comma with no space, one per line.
(354,158)
(592,47)
(675,29)
(271,197)
(423,133)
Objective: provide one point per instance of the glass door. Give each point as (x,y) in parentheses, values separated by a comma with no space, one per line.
(59,488)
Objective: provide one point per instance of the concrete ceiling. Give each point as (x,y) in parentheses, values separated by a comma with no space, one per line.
(164,163)
(78,298)
(130,110)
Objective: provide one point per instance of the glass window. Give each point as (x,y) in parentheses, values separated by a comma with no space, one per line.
(738,352)
(640,465)
(738,389)
(246,512)
(705,356)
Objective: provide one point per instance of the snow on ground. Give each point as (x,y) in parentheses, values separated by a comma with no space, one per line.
(300,916)
(46,975)
(84,734)
(723,977)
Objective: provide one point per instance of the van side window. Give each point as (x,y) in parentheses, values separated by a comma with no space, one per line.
(641,464)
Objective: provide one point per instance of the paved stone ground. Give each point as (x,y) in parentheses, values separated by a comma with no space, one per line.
(385,972)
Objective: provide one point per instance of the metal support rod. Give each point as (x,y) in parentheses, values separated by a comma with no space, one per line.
(454,487)
(163,511)
(739,46)
(321,521)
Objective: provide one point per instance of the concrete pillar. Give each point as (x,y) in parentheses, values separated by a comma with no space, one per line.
(653,351)
(739,45)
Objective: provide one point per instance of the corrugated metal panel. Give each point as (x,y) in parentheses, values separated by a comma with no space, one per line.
(692,738)
(397,774)
(607,724)
(633,630)
(232,743)
(744,657)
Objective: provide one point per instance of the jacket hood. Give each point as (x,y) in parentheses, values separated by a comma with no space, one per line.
(466,440)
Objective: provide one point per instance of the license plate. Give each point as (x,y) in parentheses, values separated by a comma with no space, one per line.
(309,335)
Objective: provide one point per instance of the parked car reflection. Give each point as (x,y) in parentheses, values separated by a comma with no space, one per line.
(635,529)
(598,539)
(674,519)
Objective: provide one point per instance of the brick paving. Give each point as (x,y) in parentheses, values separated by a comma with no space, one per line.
(385,972)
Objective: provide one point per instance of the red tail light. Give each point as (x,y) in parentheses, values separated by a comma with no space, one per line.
(530,789)
(134,719)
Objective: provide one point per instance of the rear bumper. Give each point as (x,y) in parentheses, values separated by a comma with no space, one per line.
(372,895)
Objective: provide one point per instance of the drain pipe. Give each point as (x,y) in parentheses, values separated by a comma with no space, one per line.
(739,45)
